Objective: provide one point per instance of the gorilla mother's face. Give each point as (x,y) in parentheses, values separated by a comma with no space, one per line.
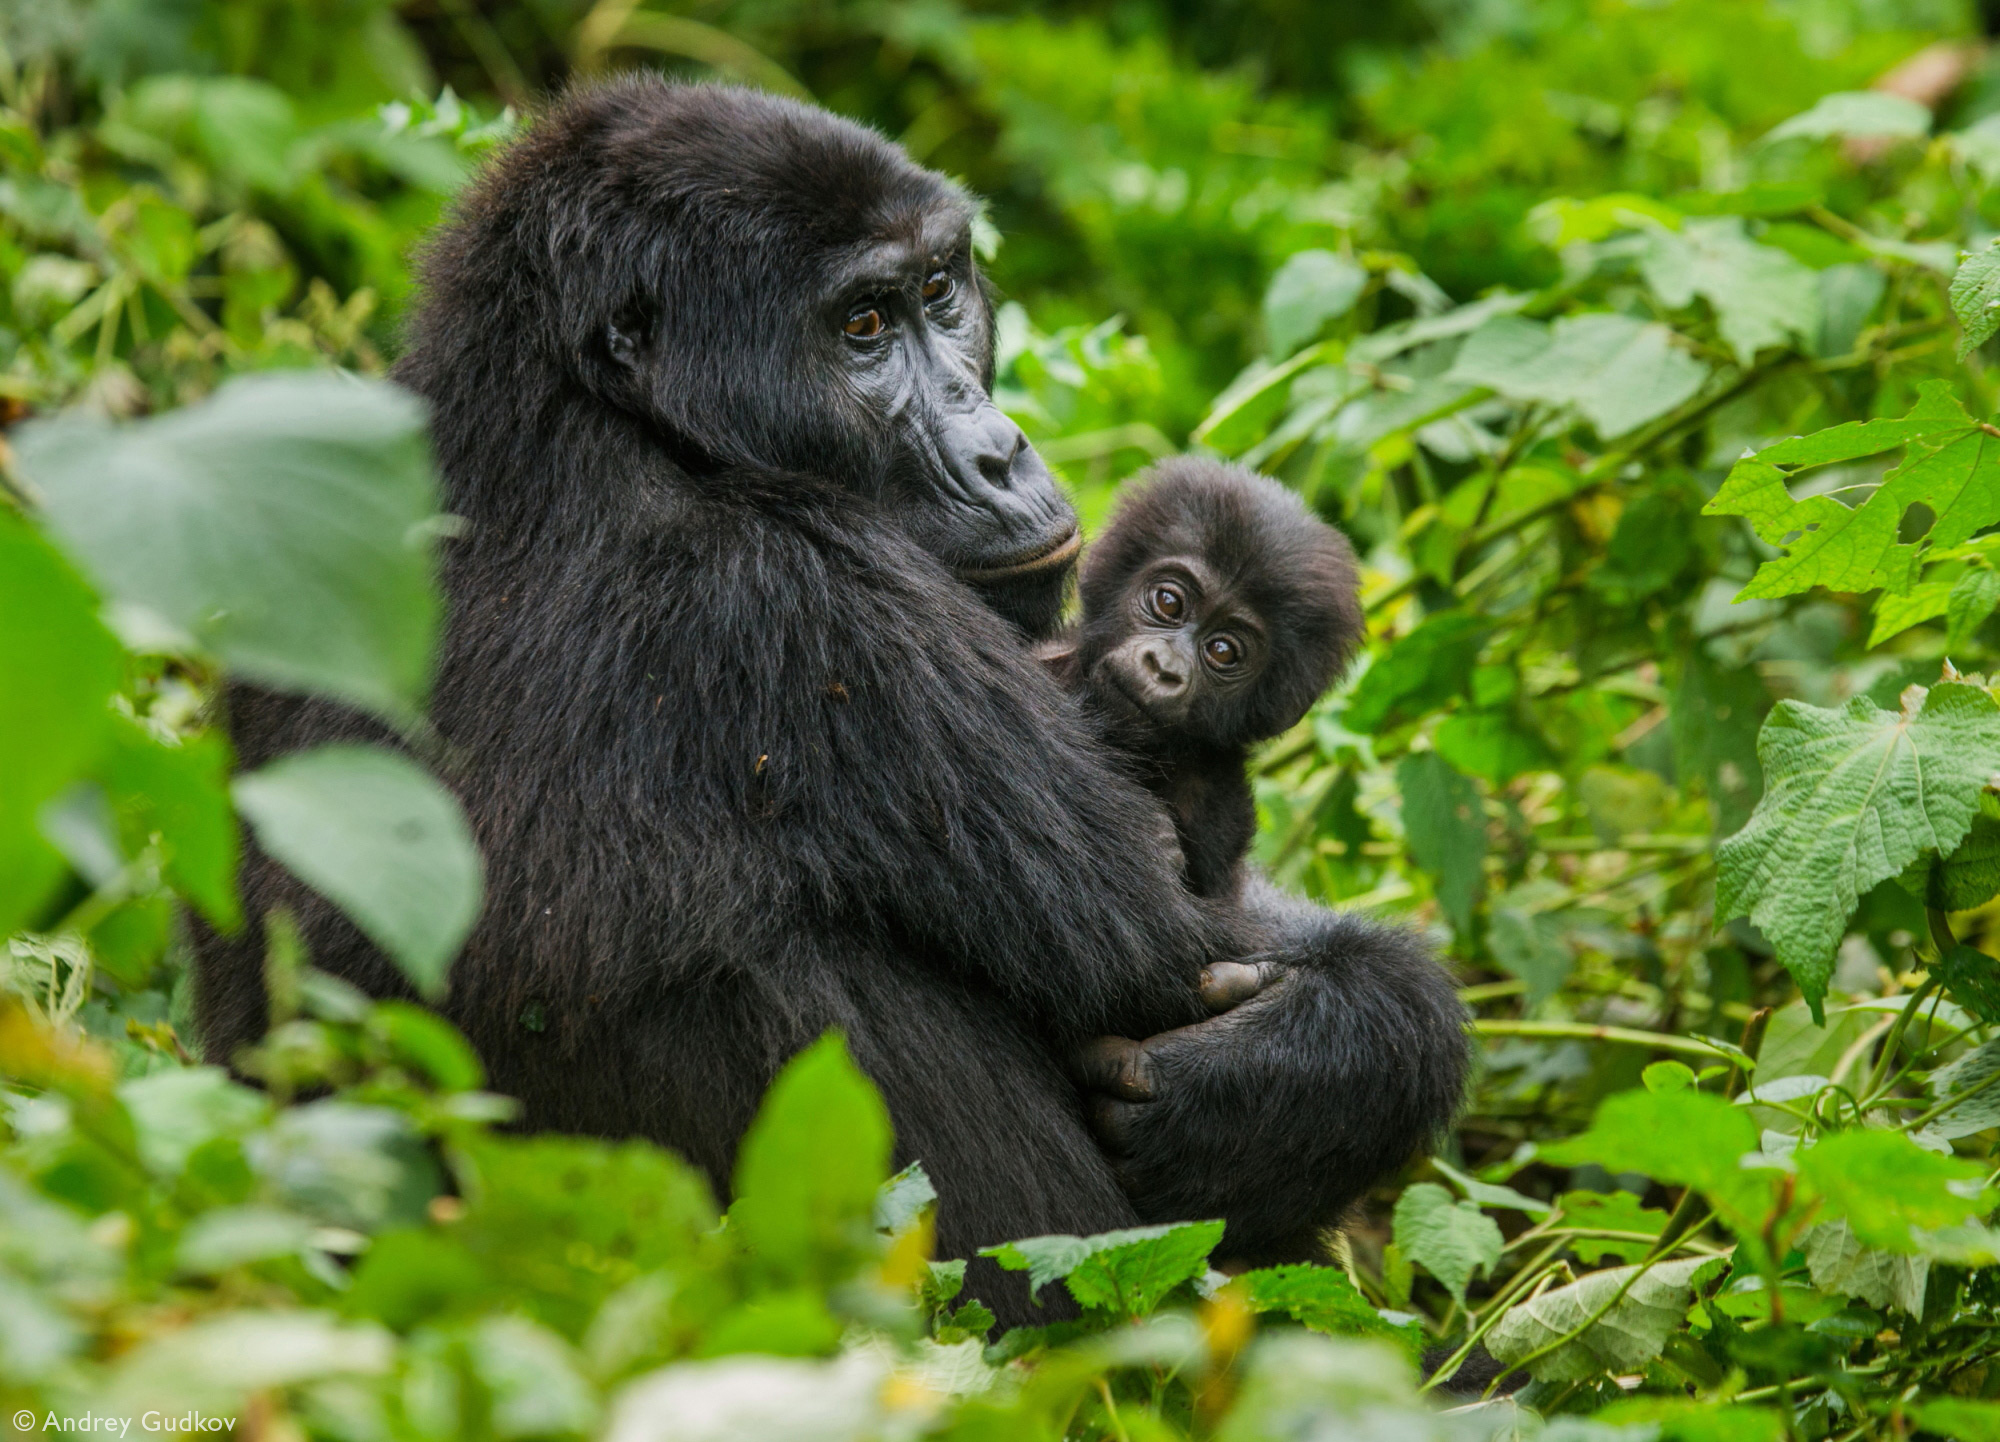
(804,299)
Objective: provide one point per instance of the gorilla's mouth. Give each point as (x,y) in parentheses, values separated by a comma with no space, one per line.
(1059,552)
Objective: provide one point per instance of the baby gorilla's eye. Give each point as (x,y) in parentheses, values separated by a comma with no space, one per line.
(866,323)
(1167,602)
(1223,652)
(938,288)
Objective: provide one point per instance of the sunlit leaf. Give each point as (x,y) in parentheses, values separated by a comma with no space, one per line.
(1452,1240)
(1128,1272)
(1311,288)
(1445,825)
(1629,1333)
(1852,797)
(1889,1189)
(1855,112)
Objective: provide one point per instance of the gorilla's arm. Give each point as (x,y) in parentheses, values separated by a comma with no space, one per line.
(1277,1114)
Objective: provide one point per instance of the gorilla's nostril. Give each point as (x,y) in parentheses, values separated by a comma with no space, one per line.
(1162,671)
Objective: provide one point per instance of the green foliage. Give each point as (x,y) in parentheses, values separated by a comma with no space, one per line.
(1582,317)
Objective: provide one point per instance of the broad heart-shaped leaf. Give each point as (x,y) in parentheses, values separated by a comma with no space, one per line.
(1687,1138)
(1323,1299)
(58,668)
(1975,297)
(1628,1335)
(1952,468)
(1452,1240)
(1891,1190)
(372,832)
(1855,112)
(281,524)
(1851,797)
(1973,979)
(1762,297)
(1129,1272)
(811,1165)
(1617,371)
(1310,289)
(1446,828)
(1841,1265)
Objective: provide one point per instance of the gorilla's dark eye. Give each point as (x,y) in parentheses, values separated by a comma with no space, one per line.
(938,288)
(866,323)
(1223,652)
(1167,602)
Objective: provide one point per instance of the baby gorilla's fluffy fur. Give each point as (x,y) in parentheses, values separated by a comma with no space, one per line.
(1216,610)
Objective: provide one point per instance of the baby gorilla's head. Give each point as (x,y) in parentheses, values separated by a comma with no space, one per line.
(1216,608)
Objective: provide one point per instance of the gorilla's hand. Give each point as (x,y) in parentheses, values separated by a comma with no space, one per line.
(1337,1051)
(1122,1075)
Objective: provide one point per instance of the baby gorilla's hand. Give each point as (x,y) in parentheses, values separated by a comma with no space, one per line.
(1120,1075)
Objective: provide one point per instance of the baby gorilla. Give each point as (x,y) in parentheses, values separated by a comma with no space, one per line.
(1216,610)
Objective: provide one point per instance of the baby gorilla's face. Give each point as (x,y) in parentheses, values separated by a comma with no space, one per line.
(1188,646)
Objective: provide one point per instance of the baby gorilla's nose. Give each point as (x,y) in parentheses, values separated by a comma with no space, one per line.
(1163,669)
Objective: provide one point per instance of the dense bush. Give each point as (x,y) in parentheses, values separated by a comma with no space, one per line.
(1644,351)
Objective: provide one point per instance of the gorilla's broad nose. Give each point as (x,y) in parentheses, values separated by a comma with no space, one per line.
(1163,669)
(998,449)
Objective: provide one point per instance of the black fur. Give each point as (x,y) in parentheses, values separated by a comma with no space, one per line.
(1251,566)
(748,760)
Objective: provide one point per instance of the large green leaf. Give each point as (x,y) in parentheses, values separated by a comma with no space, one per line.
(58,668)
(1971,1073)
(1311,288)
(1841,1265)
(811,1164)
(1952,469)
(1618,372)
(1323,1299)
(1688,1138)
(1856,112)
(1852,797)
(1452,1240)
(1428,666)
(1975,298)
(1762,297)
(372,832)
(1629,1334)
(284,525)
(1890,1190)
(1445,824)
(1128,1272)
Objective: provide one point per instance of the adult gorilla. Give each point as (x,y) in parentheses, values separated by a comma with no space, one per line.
(752,742)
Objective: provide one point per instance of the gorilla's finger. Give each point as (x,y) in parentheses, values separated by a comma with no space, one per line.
(1113,1124)
(1116,1065)
(1229,984)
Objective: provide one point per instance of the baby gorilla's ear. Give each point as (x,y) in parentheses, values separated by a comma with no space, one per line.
(1057,656)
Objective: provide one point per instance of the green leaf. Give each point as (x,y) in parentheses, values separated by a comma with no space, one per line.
(1852,798)
(1855,112)
(1487,1194)
(1715,716)
(1428,666)
(1323,1299)
(811,1164)
(1529,941)
(1667,1076)
(238,1236)
(1896,613)
(1311,288)
(1618,372)
(1452,1240)
(60,667)
(1890,1189)
(1973,979)
(181,791)
(1691,1138)
(1973,597)
(283,524)
(1445,824)
(176,1112)
(1497,745)
(1971,1071)
(1841,1265)
(1128,1272)
(1968,877)
(373,833)
(903,1199)
(1960,1419)
(1629,1335)
(1610,1212)
(1975,297)
(1762,297)
(1653,544)
(1951,468)
(1249,404)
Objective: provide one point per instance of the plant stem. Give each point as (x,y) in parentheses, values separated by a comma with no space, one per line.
(1586,1031)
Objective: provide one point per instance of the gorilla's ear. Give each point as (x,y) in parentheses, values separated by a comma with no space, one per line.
(627,337)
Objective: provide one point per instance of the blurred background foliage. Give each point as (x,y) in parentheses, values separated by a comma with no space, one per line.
(1507,288)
